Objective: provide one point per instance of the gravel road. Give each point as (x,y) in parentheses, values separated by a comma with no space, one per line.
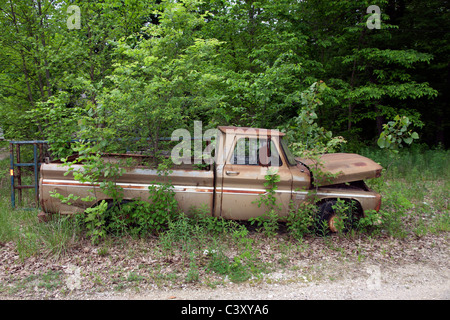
(373,282)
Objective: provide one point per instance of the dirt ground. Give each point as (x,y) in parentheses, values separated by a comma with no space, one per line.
(390,269)
(407,282)
(339,280)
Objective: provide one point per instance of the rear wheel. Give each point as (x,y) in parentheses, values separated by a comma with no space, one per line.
(115,218)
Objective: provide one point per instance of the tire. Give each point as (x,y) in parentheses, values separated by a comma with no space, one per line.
(110,210)
(327,217)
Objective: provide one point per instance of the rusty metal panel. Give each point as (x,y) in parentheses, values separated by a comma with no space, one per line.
(231,130)
(348,166)
(192,187)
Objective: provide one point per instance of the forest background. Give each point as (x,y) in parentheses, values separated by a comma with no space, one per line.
(129,69)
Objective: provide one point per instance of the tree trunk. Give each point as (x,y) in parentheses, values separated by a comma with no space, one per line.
(352,81)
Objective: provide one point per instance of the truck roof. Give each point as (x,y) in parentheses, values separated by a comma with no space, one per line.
(247,131)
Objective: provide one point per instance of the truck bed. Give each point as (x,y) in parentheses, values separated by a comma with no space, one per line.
(186,180)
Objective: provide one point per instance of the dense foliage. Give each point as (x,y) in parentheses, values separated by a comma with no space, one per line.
(141,68)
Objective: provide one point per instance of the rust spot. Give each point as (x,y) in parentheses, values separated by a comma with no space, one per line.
(360,164)
(43,217)
(378,173)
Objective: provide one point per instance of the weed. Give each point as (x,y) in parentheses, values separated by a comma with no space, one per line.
(134,277)
(301,220)
(369,222)
(268,222)
(239,272)
(183,233)
(95,221)
(212,225)
(102,252)
(440,223)
(193,273)
(219,263)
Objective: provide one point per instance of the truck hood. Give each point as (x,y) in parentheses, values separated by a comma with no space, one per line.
(348,167)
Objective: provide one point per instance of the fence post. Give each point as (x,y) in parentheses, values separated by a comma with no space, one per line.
(11,173)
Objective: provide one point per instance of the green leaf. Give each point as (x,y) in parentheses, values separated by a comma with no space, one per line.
(408,140)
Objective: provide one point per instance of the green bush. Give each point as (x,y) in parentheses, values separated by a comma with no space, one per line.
(301,221)
(142,218)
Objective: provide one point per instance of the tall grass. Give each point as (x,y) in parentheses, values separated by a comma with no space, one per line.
(415,187)
(415,164)
(52,238)
(22,226)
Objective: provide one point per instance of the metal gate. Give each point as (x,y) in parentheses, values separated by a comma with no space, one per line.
(16,167)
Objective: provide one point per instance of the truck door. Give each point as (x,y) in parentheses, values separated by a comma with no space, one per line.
(243,177)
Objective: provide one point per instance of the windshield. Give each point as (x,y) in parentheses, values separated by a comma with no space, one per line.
(288,154)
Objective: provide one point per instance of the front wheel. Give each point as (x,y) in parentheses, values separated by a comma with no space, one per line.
(337,216)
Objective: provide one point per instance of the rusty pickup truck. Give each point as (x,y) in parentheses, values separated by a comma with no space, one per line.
(232,182)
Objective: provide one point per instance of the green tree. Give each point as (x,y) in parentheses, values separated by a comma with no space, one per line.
(164,77)
(373,80)
(143,68)
(52,73)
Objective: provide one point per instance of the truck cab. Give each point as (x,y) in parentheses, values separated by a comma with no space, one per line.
(245,156)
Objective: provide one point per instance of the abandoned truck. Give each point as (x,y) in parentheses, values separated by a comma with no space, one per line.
(231,184)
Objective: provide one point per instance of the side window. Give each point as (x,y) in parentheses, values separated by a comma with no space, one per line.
(254,151)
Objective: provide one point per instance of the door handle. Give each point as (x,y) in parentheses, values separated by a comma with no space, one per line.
(232,173)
